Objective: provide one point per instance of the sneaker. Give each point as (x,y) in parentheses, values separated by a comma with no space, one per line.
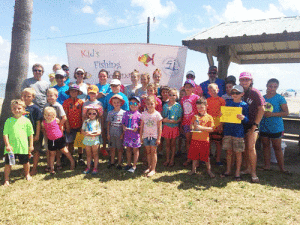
(127,167)
(119,167)
(81,162)
(86,171)
(131,170)
(95,171)
(219,164)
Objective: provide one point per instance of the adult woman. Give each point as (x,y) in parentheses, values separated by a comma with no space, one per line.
(256,111)
(271,125)
(130,89)
(142,91)
(80,75)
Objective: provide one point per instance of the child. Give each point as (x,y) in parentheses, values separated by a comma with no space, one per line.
(151,91)
(201,125)
(228,87)
(172,113)
(117,75)
(52,79)
(91,129)
(16,133)
(151,123)
(92,92)
(156,79)
(115,130)
(164,95)
(233,140)
(34,114)
(56,140)
(214,104)
(131,122)
(188,104)
(181,133)
(73,109)
(142,91)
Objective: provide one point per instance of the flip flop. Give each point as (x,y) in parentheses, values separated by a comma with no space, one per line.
(255,180)
(237,178)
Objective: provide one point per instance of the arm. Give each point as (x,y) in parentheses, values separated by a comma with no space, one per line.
(207,129)
(159,130)
(259,116)
(7,145)
(30,149)
(62,122)
(108,128)
(38,131)
(141,130)
(284,112)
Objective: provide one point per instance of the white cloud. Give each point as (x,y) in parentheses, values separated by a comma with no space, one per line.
(54,29)
(5,47)
(293,5)
(181,29)
(154,8)
(121,21)
(87,9)
(103,18)
(88,1)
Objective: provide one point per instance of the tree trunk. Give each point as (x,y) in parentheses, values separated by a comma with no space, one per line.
(19,58)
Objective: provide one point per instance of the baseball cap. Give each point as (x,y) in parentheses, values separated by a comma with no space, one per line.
(212,69)
(239,88)
(93,89)
(115,82)
(74,87)
(79,70)
(189,81)
(191,72)
(246,75)
(136,98)
(60,72)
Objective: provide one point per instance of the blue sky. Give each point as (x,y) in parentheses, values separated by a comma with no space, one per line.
(175,21)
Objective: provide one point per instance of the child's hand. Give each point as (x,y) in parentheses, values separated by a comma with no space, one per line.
(158,141)
(36,137)
(268,114)
(166,120)
(240,116)
(135,129)
(30,149)
(9,148)
(68,130)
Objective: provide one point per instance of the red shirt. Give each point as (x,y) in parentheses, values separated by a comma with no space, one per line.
(73,109)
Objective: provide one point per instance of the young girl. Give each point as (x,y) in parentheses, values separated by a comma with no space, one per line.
(164,95)
(131,122)
(151,122)
(151,91)
(91,129)
(156,79)
(142,92)
(172,113)
(56,140)
(201,125)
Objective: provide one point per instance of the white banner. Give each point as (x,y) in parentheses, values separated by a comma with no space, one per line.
(127,57)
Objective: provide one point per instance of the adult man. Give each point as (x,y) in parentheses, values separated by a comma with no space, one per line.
(66,69)
(61,87)
(40,86)
(213,78)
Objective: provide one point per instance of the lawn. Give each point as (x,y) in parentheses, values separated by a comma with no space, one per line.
(169,197)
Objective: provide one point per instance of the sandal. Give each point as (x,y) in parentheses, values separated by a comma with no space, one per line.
(237,178)
(255,180)
(225,175)
(58,167)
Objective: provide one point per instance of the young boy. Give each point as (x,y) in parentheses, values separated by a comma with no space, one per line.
(214,104)
(117,75)
(61,87)
(188,103)
(115,130)
(73,109)
(201,125)
(233,140)
(16,133)
(34,114)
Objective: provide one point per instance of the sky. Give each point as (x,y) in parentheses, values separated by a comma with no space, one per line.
(57,22)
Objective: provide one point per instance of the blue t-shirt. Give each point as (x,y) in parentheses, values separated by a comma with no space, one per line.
(109,107)
(67,82)
(62,96)
(173,113)
(219,82)
(273,124)
(104,89)
(236,129)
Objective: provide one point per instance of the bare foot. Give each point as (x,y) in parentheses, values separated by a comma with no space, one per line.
(244,172)
(33,172)
(166,163)
(151,174)
(6,183)
(147,171)
(28,178)
(191,173)
(211,174)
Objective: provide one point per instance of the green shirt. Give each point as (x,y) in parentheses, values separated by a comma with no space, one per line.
(18,131)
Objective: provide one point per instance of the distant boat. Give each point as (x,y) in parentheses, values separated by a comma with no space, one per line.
(290,90)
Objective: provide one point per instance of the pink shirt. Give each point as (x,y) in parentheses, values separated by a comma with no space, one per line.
(188,104)
(150,124)
(52,130)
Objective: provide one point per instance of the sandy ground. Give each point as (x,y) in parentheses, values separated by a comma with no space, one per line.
(294,105)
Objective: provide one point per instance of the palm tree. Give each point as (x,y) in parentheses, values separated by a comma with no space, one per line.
(19,58)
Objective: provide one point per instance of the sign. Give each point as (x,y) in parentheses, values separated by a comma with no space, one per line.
(126,57)
(229,114)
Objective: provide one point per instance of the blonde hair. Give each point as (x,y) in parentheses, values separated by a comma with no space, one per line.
(135,72)
(151,99)
(157,71)
(52,91)
(213,85)
(153,86)
(146,75)
(56,67)
(17,102)
(50,109)
(29,90)
(175,91)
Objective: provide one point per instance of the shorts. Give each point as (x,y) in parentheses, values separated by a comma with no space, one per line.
(247,127)
(186,129)
(170,132)
(57,144)
(215,136)
(149,141)
(115,142)
(37,145)
(70,137)
(23,158)
(90,141)
(270,135)
(235,144)
(199,150)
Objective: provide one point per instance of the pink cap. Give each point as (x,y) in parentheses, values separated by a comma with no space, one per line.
(246,75)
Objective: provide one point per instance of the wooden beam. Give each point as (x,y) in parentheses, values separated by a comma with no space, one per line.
(266,61)
(269,52)
(223,61)
(209,57)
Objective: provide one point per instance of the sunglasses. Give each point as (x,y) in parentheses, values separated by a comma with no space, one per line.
(59,77)
(133,103)
(66,69)
(38,71)
(235,93)
(94,114)
(212,73)
(172,95)
(79,74)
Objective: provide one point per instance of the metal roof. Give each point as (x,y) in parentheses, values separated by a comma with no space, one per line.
(275,40)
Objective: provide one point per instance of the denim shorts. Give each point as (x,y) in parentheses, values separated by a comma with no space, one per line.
(149,141)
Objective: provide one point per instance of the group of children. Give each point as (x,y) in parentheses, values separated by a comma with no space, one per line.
(147,121)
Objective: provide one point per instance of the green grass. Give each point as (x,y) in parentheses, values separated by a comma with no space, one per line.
(170,197)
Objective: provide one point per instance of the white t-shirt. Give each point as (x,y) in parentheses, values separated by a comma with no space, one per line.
(150,124)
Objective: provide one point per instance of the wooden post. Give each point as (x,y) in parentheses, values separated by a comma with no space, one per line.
(223,61)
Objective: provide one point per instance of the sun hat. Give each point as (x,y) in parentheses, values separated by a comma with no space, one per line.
(118,97)
(191,82)
(60,72)
(212,69)
(239,88)
(135,98)
(246,75)
(91,106)
(79,70)
(93,89)
(115,82)
(191,72)
(74,87)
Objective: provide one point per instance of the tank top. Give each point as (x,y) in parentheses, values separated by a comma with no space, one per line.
(52,130)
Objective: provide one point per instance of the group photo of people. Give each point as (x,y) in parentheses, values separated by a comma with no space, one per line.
(130,126)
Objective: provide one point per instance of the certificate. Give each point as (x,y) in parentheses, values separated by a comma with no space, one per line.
(229,114)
